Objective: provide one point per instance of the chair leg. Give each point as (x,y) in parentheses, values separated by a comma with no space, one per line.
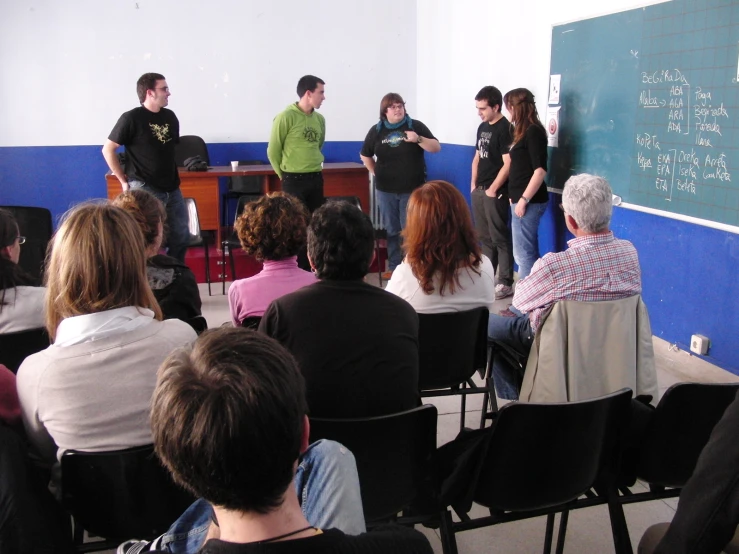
(562,532)
(446,530)
(377,260)
(207,264)
(548,534)
(224,246)
(233,264)
(621,539)
(463,413)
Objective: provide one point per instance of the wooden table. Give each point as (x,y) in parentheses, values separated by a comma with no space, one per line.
(339,179)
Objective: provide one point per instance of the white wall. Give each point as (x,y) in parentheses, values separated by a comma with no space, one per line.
(466,44)
(68,68)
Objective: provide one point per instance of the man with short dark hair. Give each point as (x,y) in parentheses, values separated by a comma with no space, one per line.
(229,421)
(490,205)
(356,344)
(294,149)
(149,134)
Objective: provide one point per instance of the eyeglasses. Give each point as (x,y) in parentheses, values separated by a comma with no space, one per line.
(396,107)
(165,89)
(21,240)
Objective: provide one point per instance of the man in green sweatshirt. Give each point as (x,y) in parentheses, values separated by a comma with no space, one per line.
(294,150)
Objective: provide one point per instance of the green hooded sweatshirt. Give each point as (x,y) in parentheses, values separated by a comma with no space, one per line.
(296,141)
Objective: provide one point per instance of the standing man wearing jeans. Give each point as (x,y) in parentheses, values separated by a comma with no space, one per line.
(149,134)
(294,149)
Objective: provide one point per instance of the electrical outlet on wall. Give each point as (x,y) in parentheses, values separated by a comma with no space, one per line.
(699,344)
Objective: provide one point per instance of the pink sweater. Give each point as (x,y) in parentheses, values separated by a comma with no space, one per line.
(10,406)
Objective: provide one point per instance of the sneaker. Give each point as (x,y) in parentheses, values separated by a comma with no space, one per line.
(386,275)
(133,547)
(502,291)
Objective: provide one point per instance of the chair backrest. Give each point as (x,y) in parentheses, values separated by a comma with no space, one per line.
(121,494)
(252,322)
(190,145)
(452,346)
(679,428)
(16,347)
(198,323)
(588,349)
(391,452)
(193,222)
(542,455)
(35,224)
(353,200)
(251,184)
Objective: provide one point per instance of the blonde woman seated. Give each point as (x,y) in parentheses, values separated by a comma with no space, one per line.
(444,269)
(21,300)
(173,283)
(92,388)
(272,229)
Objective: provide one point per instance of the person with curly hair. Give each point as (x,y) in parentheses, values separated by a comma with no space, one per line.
(444,269)
(172,282)
(273,230)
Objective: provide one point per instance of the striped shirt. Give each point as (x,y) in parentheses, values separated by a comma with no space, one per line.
(593,268)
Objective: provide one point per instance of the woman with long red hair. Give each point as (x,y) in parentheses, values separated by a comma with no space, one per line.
(526,188)
(444,269)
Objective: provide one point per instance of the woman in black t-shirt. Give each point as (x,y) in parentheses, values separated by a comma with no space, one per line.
(393,152)
(526,188)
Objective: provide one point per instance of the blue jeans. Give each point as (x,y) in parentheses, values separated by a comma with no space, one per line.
(178,234)
(525,231)
(393,208)
(514,332)
(327,485)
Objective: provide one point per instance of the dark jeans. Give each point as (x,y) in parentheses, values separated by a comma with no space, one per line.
(306,186)
(515,333)
(491,222)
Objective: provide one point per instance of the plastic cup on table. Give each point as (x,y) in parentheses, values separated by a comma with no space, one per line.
(234,166)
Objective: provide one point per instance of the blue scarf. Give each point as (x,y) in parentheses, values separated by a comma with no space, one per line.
(400,123)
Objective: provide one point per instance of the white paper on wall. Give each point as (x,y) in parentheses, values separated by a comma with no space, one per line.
(552,125)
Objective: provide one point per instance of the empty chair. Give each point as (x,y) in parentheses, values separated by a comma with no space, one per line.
(241,185)
(16,347)
(231,242)
(196,235)
(190,145)
(119,495)
(452,347)
(392,453)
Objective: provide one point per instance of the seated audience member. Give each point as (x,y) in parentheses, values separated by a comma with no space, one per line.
(243,394)
(21,300)
(91,389)
(173,283)
(273,230)
(595,267)
(10,407)
(444,269)
(356,344)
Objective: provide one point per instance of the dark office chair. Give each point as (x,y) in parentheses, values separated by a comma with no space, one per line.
(231,242)
(16,347)
(196,235)
(540,459)
(252,322)
(34,224)
(452,347)
(240,185)
(119,495)
(392,454)
(190,145)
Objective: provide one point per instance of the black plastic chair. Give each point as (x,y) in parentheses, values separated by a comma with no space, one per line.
(252,322)
(16,347)
(119,495)
(392,454)
(241,185)
(228,244)
(452,347)
(541,458)
(198,323)
(190,145)
(196,235)
(35,224)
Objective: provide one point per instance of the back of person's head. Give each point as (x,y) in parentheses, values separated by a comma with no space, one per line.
(11,274)
(340,242)
(491,95)
(439,237)
(227,418)
(308,83)
(96,262)
(521,105)
(148,211)
(273,227)
(148,81)
(589,200)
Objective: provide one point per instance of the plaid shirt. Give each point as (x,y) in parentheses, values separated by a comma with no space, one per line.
(593,268)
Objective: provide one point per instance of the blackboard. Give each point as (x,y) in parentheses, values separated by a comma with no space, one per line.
(650,100)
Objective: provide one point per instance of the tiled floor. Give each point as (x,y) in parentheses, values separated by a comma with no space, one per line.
(589,529)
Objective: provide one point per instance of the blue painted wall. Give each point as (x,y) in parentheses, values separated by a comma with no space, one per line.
(689,272)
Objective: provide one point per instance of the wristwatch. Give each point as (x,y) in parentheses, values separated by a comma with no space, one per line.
(525,199)
(420,139)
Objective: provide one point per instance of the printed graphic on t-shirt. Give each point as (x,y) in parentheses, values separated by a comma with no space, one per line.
(394,139)
(484,143)
(161,132)
(310,134)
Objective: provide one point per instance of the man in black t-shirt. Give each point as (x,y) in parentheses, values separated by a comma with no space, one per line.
(149,134)
(490,168)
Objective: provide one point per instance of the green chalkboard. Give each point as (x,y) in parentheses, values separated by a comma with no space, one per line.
(649,99)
